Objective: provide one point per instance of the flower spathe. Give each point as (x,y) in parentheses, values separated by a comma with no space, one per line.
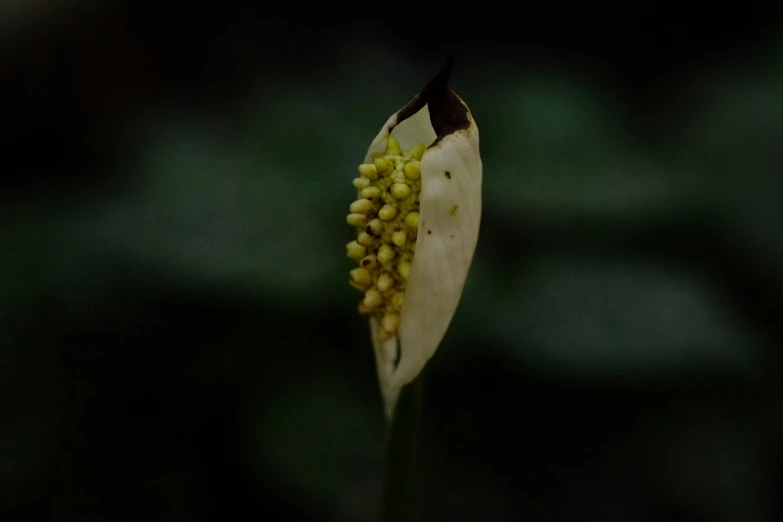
(417,218)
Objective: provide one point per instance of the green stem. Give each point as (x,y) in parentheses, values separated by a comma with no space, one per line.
(402,453)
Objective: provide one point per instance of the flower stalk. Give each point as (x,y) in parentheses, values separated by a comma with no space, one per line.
(402,452)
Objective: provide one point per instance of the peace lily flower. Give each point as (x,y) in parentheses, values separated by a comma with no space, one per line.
(417,218)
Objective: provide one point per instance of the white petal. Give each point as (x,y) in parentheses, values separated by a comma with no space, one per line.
(450,214)
(410,132)
(386,353)
(451,173)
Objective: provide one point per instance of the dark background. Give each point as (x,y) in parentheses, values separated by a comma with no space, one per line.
(177,338)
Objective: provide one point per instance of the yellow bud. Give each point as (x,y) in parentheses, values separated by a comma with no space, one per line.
(400,237)
(371,193)
(369,262)
(390,322)
(413,170)
(372,298)
(361,206)
(368,170)
(382,165)
(384,336)
(374,227)
(404,268)
(392,145)
(355,251)
(385,282)
(356,220)
(365,310)
(365,239)
(361,183)
(387,212)
(413,247)
(400,190)
(417,152)
(361,277)
(385,254)
(412,220)
(397,299)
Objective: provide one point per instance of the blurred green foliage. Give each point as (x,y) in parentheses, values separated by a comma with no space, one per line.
(248,215)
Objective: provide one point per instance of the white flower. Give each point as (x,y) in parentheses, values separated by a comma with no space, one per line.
(417,217)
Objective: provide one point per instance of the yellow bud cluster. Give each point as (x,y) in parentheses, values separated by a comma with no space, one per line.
(386,216)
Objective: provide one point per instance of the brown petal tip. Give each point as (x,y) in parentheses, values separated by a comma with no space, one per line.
(447,112)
